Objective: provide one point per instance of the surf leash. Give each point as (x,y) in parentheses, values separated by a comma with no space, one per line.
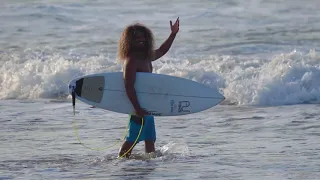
(73,94)
(135,140)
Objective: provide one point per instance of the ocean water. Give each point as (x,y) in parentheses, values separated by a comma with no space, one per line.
(262,55)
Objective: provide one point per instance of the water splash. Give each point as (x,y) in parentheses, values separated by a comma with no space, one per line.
(173,148)
(287,78)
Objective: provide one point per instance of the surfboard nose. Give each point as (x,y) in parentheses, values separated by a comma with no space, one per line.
(76,86)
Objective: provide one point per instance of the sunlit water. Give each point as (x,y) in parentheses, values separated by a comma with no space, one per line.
(38,141)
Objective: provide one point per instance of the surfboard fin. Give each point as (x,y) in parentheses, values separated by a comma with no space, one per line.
(72,91)
(73,94)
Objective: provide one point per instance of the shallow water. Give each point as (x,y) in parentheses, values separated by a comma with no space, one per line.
(226,142)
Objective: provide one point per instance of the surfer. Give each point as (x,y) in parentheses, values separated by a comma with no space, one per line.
(136,52)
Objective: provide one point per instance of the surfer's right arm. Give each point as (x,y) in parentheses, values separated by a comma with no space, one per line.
(129,74)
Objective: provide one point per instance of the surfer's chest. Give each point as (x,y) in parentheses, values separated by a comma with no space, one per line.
(145,67)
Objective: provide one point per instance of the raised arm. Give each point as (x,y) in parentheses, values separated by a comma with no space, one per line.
(164,48)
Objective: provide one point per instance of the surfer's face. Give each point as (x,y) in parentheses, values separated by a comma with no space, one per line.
(139,41)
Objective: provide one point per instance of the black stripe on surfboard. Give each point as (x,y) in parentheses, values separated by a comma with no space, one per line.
(164,94)
(78,88)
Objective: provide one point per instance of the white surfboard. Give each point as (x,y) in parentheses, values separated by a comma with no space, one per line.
(158,94)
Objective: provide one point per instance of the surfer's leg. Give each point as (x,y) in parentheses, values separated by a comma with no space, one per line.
(150,134)
(133,132)
(149,146)
(125,147)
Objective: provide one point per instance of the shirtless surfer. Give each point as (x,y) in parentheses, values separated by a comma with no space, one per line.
(136,52)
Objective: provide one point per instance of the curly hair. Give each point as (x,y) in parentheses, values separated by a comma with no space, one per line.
(125,46)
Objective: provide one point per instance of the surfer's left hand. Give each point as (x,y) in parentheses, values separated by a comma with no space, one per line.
(175,27)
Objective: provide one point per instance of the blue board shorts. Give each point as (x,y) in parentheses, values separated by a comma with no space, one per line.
(148,131)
